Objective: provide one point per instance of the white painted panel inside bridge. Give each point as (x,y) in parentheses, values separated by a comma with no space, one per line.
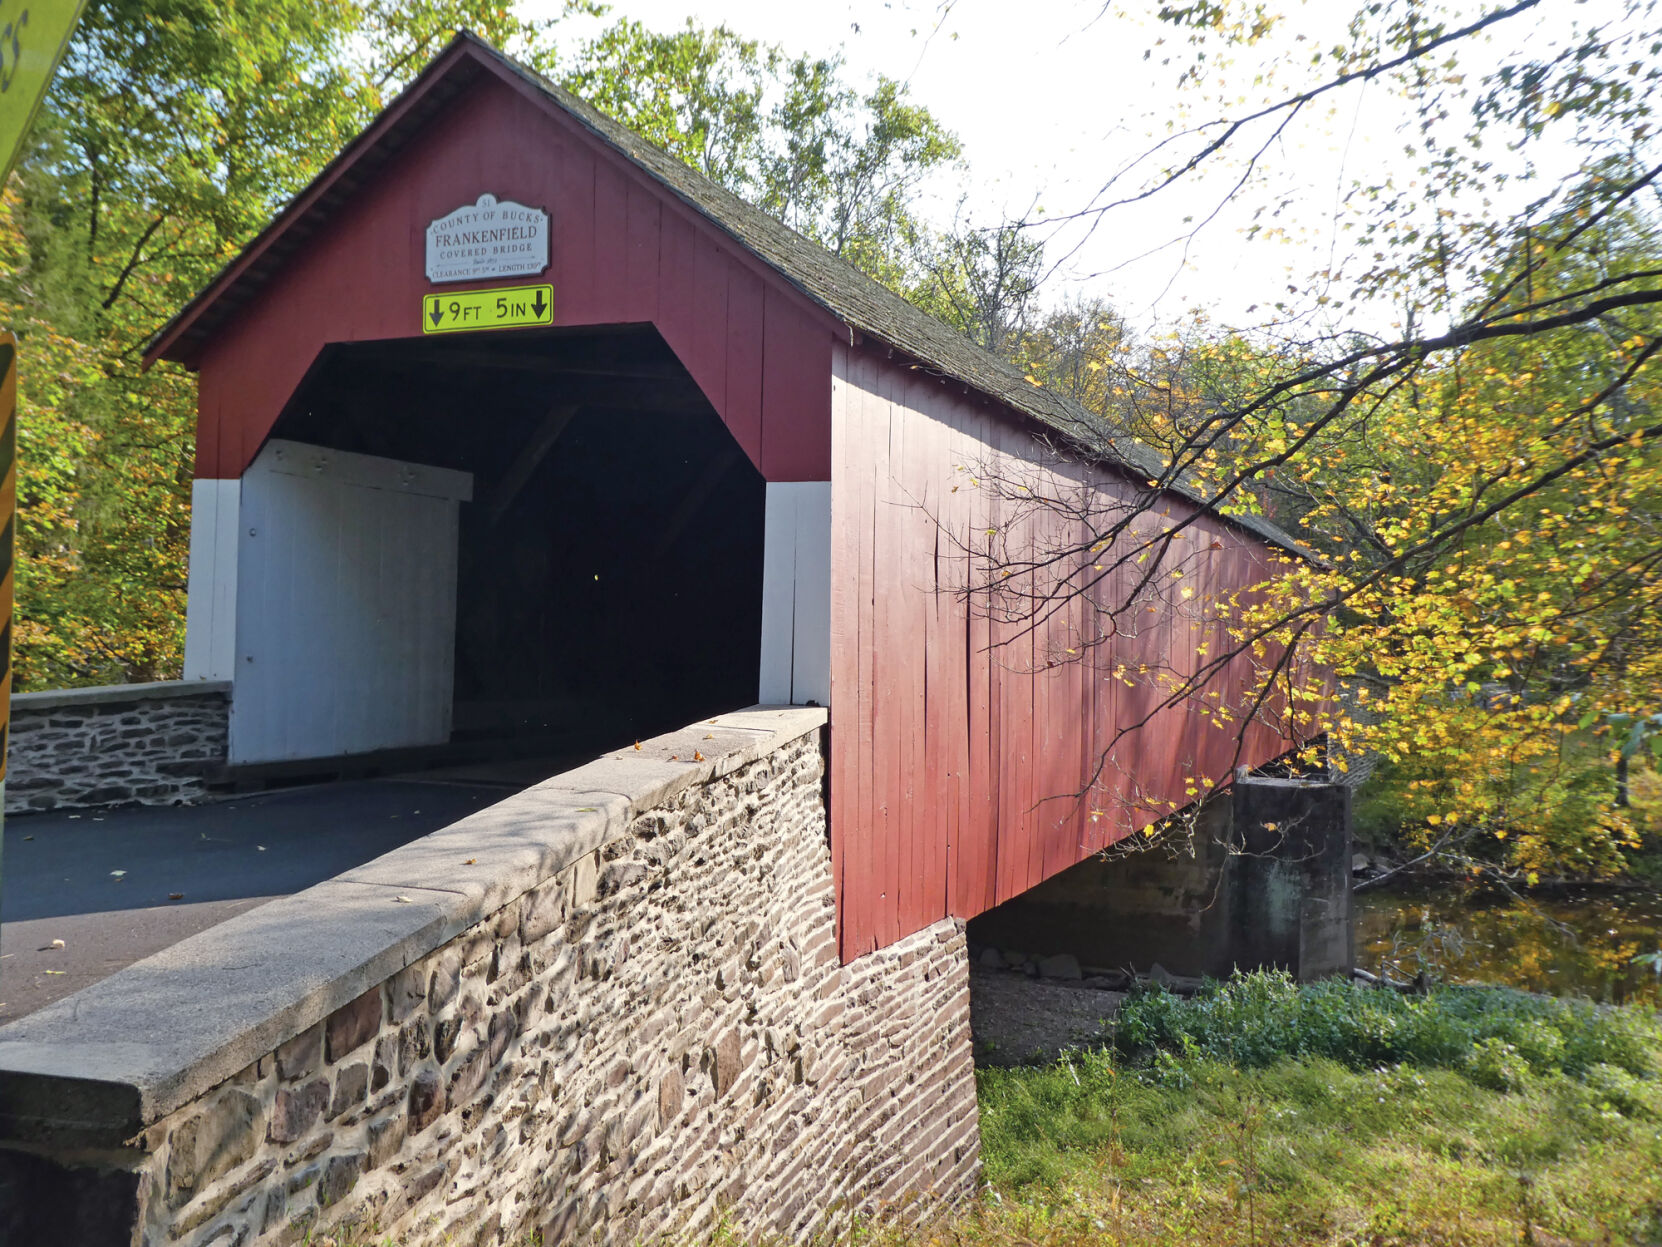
(796,594)
(346,605)
(210,612)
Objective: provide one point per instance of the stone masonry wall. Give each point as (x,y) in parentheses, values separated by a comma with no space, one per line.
(150,744)
(658,1038)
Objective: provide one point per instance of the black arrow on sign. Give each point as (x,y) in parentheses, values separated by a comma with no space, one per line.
(538,306)
(437,314)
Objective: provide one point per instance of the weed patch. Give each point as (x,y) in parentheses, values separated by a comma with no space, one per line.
(1498,1035)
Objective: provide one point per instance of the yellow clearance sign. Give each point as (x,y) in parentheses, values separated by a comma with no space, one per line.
(33,36)
(513,307)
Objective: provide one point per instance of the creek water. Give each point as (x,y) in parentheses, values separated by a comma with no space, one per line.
(1570,942)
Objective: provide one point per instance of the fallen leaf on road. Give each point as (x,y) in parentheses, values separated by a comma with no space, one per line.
(49,947)
(56,972)
(402,900)
(175,896)
(472,861)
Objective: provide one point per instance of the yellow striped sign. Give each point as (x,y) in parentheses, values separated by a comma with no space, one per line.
(8,513)
(33,39)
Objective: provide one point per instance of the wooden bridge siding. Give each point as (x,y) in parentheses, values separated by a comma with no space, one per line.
(623,251)
(945,747)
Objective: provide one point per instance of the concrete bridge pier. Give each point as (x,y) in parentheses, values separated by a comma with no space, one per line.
(1265,885)
(1289,877)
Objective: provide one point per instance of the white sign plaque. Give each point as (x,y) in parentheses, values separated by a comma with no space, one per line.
(490,238)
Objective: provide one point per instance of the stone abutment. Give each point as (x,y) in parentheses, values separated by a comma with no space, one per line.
(609,1009)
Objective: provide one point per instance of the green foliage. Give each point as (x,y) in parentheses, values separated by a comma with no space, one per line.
(1493,1034)
(1553,803)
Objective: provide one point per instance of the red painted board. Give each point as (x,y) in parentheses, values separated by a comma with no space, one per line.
(796,392)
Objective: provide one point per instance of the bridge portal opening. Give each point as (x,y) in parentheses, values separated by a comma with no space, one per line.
(604,548)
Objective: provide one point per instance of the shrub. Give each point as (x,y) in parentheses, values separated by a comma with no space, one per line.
(1624,1093)
(1497,1065)
(1490,1033)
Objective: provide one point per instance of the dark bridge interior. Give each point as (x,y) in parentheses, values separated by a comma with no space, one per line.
(610,563)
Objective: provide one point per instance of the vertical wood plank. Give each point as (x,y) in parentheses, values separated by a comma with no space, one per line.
(677,260)
(640,275)
(345,607)
(743,351)
(943,670)
(610,300)
(919,796)
(709,328)
(796,392)
(982,881)
(865,408)
(571,241)
(811,642)
(845,636)
(887,721)
(211,461)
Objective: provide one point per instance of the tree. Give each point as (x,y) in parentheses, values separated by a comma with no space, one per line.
(786,133)
(172,131)
(984,283)
(1075,351)
(1483,484)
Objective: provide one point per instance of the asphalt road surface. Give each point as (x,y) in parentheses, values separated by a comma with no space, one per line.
(118,885)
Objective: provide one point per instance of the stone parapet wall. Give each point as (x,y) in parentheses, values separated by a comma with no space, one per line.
(645,1035)
(149,744)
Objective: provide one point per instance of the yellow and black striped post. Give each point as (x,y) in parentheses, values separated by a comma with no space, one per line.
(8,535)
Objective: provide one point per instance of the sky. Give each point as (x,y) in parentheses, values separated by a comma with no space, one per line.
(1050,96)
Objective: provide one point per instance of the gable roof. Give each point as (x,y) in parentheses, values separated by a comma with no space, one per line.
(828,281)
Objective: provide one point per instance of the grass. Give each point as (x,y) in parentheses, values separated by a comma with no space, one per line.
(1266,1113)
(1306,1150)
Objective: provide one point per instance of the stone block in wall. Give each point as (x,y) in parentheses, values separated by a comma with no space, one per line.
(219,1138)
(353,1025)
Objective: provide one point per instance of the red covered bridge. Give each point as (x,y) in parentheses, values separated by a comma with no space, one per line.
(512,425)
